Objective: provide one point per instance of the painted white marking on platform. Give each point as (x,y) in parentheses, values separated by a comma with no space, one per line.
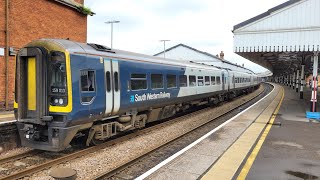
(6,122)
(154,169)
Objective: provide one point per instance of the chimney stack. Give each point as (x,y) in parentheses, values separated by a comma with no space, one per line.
(221,55)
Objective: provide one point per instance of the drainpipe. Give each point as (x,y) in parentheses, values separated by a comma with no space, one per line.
(7,52)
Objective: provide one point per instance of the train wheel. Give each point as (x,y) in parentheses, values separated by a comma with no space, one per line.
(96,142)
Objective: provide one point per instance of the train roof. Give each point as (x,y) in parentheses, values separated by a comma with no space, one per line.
(99,50)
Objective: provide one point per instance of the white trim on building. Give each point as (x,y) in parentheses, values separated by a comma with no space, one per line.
(290,27)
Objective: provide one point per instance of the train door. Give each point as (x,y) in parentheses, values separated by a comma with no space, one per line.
(111,69)
(233,81)
(31,84)
(228,80)
(222,80)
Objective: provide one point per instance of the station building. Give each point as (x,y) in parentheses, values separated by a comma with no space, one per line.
(22,21)
(286,40)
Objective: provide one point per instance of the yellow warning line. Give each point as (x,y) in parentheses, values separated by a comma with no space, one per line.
(246,168)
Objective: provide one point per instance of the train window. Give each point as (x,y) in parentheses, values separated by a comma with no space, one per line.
(213,80)
(156,81)
(116,81)
(183,82)
(171,81)
(207,80)
(138,81)
(108,79)
(200,80)
(87,80)
(192,81)
(218,80)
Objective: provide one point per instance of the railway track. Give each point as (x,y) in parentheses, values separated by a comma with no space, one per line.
(110,173)
(18,156)
(147,160)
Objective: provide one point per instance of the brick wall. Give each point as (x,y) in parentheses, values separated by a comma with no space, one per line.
(34,19)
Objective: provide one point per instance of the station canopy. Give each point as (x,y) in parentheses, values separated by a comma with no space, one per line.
(282,38)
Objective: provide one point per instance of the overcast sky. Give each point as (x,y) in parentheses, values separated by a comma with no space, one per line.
(202,24)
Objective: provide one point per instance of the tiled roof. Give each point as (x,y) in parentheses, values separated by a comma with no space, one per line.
(202,52)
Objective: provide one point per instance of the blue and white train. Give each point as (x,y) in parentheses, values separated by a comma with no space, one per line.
(66,90)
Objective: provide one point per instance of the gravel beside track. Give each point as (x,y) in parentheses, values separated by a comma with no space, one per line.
(9,138)
(27,159)
(107,159)
(14,152)
(152,159)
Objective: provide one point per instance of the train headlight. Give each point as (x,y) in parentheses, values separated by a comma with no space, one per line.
(60,101)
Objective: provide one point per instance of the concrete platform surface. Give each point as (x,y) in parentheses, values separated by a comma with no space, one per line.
(291,151)
(199,159)
(6,116)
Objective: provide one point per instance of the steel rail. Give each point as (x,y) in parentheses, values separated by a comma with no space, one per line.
(34,169)
(18,156)
(115,170)
(37,168)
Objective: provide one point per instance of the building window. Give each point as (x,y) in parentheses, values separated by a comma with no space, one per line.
(207,80)
(171,81)
(156,81)
(200,80)
(88,80)
(192,81)
(183,82)
(138,81)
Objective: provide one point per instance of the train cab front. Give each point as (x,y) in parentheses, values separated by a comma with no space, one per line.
(42,99)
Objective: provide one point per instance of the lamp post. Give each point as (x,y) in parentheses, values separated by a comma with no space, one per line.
(111,22)
(164,47)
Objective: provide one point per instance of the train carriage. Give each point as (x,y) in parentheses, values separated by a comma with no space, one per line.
(66,89)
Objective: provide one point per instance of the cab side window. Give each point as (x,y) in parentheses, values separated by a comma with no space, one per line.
(88,79)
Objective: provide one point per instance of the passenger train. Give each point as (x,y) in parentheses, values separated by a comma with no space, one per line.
(66,89)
